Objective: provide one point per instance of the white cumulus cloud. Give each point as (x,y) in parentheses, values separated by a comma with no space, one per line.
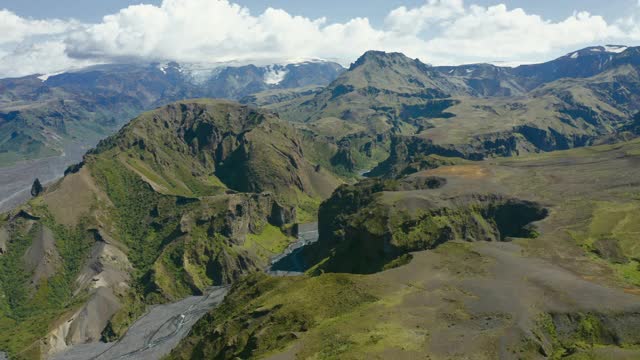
(414,21)
(208,31)
(497,33)
(205,30)
(14,28)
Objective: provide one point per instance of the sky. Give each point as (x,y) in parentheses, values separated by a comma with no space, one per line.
(44,36)
(334,10)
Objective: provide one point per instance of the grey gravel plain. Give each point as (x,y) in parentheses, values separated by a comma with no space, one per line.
(155,334)
(16,180)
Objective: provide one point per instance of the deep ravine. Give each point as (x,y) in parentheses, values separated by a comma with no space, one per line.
(160,330)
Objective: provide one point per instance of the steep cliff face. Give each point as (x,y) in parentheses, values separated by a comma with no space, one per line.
(223,238)
(409,155)
(375,224)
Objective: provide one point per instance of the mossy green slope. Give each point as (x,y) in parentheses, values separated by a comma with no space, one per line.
(257,319)
(376,97)
(203,146)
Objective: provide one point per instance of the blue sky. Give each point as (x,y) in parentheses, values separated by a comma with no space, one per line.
(335,10)
(47,36)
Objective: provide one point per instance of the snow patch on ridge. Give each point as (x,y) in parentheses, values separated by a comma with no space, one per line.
(617,49)
(199,73)
(46,77)
(274,75)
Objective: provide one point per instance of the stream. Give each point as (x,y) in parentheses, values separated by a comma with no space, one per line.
(291,262)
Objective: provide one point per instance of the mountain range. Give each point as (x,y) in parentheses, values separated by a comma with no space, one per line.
(39,114)
(473,211)
(387,102)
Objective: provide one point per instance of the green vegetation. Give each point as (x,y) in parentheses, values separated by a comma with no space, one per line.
(579,335)
(398,262)
(28,307)
(165,205)
(222,146)
(43,128)
(611,234)
(276,311)
(548,329)
(403,111)
(133,306)
(134,202)
(38,118)
(409,155)
(170,264)
(270,242)
(204,192)
(330,316)
(464,288)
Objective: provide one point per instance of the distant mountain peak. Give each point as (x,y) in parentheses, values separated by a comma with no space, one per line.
(383,58)
(381,54)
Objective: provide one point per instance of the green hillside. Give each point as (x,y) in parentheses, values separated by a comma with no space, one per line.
(188,196)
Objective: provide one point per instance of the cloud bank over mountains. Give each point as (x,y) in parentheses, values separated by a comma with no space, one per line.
(206,31)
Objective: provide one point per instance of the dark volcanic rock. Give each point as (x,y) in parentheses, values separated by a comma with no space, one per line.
(36,188)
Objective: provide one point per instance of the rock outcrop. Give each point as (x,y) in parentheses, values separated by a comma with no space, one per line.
(36,188)
(369,226)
